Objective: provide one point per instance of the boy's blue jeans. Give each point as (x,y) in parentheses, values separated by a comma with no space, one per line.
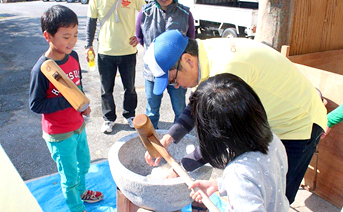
(177,97)
(73,161)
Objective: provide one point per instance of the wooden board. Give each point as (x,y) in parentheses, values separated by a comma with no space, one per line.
(330,84)
(329,184)
(330,158)
(316,26)
(330,173)
(331,61)
(125,205)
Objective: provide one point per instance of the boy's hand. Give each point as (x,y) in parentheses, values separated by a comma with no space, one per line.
(133,41)
(86,52)
(86,112)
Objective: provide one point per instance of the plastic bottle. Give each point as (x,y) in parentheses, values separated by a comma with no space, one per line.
(91,62)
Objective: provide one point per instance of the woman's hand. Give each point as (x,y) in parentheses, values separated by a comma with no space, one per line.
(207,186)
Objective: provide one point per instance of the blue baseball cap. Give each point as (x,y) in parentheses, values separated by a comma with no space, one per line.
(162,54)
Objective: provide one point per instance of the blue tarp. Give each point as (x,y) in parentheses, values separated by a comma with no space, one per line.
(47,191)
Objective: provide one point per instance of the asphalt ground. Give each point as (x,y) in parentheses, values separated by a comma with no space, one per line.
(21,44)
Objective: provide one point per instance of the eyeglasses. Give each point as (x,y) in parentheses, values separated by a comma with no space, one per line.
(173,82)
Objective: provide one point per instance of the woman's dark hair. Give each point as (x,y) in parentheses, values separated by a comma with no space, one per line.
(230,119)
(58,16)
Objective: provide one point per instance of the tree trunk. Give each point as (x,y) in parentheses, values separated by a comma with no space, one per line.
(274,22)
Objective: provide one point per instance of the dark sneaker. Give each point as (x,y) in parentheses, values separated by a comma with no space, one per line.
(90,196)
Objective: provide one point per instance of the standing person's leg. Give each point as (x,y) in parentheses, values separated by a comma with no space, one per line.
(178,99)
(299,154)
(127,69)
(153,103)
(83,159)
(107,70)
(64,154)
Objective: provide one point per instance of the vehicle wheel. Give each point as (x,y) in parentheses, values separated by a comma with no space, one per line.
(58,0)
(70,1)
(229,33)
(84,1)
(45,0)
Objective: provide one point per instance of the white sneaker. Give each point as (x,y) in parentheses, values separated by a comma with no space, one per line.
(129,122)
(107,126)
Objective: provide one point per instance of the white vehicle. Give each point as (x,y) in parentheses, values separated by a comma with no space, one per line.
(226,18)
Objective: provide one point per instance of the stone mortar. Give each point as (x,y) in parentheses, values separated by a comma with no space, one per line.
(129,171)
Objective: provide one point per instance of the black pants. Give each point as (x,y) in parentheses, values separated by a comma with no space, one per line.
(299,154)
(108,66)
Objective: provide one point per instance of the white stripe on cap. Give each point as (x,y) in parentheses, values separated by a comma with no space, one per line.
(149,59)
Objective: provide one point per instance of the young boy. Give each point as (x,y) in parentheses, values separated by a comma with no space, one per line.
(63,126)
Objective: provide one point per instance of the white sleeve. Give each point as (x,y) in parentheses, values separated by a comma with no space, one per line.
(243,194)
(221,187)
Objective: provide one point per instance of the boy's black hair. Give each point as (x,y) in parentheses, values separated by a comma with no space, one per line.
(58,16)
(230,119)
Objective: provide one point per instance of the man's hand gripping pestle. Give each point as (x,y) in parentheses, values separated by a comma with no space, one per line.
(151,142)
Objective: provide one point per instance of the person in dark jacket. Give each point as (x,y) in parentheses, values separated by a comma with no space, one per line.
(155,18)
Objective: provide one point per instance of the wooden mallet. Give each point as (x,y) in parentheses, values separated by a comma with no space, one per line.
(76,98)
(151,142)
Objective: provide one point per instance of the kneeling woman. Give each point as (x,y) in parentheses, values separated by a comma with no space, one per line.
(234,135)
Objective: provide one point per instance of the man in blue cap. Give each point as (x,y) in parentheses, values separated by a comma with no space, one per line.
(294,109)
(160,65)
